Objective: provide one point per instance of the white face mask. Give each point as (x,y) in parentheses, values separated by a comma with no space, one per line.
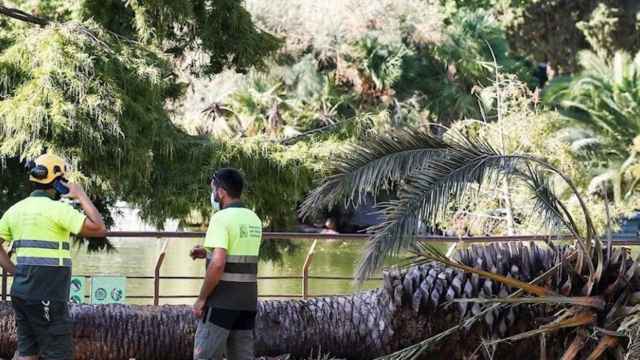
(215,204)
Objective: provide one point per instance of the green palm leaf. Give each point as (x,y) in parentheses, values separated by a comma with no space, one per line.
(424,196)
(547,204)
(441,173)
(604,97)
(370,167)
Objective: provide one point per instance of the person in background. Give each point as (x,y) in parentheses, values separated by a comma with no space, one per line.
(39,228)
(330,227)
(228,301)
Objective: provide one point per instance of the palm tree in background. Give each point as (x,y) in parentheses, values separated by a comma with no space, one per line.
(604,100)
(430,175)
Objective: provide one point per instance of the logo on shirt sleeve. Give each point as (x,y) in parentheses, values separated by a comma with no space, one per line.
(244,231)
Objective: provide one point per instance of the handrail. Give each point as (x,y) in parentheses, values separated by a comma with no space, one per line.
(321,236)
(287,277)
(620,240)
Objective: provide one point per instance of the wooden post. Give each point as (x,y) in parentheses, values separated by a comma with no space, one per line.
(4,285)
(156,274)
(305,270)
(454,246)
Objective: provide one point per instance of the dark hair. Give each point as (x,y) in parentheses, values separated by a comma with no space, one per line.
(38,186)
(230,180)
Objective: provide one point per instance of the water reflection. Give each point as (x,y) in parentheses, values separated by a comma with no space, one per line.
(137,257)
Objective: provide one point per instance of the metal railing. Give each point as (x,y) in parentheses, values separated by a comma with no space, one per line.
(304,277)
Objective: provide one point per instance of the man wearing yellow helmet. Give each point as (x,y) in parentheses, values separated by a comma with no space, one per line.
(39,228)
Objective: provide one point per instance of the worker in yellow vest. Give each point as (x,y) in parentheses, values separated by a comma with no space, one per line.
(39,228)
(227,305)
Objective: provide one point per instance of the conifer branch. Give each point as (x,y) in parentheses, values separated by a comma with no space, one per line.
(23,16)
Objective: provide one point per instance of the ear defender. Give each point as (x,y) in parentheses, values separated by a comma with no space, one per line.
(46,168)
(39,172)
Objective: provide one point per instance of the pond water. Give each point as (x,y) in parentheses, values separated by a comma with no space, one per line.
(137,257)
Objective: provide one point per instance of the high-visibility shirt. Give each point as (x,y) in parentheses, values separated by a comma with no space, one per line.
(238,230)
(39,229)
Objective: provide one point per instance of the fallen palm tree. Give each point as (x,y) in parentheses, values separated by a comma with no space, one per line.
(413,305)
(589,300)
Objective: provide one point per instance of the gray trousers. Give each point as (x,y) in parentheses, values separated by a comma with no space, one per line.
(212,342)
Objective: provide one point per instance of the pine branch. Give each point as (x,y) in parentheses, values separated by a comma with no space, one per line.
(23,16)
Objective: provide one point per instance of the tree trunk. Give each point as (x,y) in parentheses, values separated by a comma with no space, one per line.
(410,307)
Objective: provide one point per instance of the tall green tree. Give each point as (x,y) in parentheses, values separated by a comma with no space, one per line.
(221,30)
(94,82)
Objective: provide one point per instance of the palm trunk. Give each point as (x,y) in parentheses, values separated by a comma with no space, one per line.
(410,307)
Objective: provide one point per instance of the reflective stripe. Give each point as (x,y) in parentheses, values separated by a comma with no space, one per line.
(40,261)
(243,259)
(248,278)
(40,244)
(44,253)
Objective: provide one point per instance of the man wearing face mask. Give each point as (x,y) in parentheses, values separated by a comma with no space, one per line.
(228,298)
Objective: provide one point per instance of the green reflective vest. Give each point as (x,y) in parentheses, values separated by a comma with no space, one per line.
(238,230)
(39,229)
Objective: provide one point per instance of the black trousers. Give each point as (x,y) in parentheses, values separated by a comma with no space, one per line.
(44,329)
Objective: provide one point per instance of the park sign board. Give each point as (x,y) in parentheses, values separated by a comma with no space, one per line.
(77,291)
(108,290)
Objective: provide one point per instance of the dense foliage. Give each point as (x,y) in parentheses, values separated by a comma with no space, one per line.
(221,31)
(555,31)
(146,98)
(84,90)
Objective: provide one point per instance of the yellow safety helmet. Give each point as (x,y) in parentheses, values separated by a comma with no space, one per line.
(46,168)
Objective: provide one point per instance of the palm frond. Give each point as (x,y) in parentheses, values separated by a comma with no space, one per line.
(367,168)
(424,196)
(577,320)
(426,193)
(555,216)
(605,343)
(547,204)
(593,63)
(586,301)
(582,142)
(603,97)
(556,90)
